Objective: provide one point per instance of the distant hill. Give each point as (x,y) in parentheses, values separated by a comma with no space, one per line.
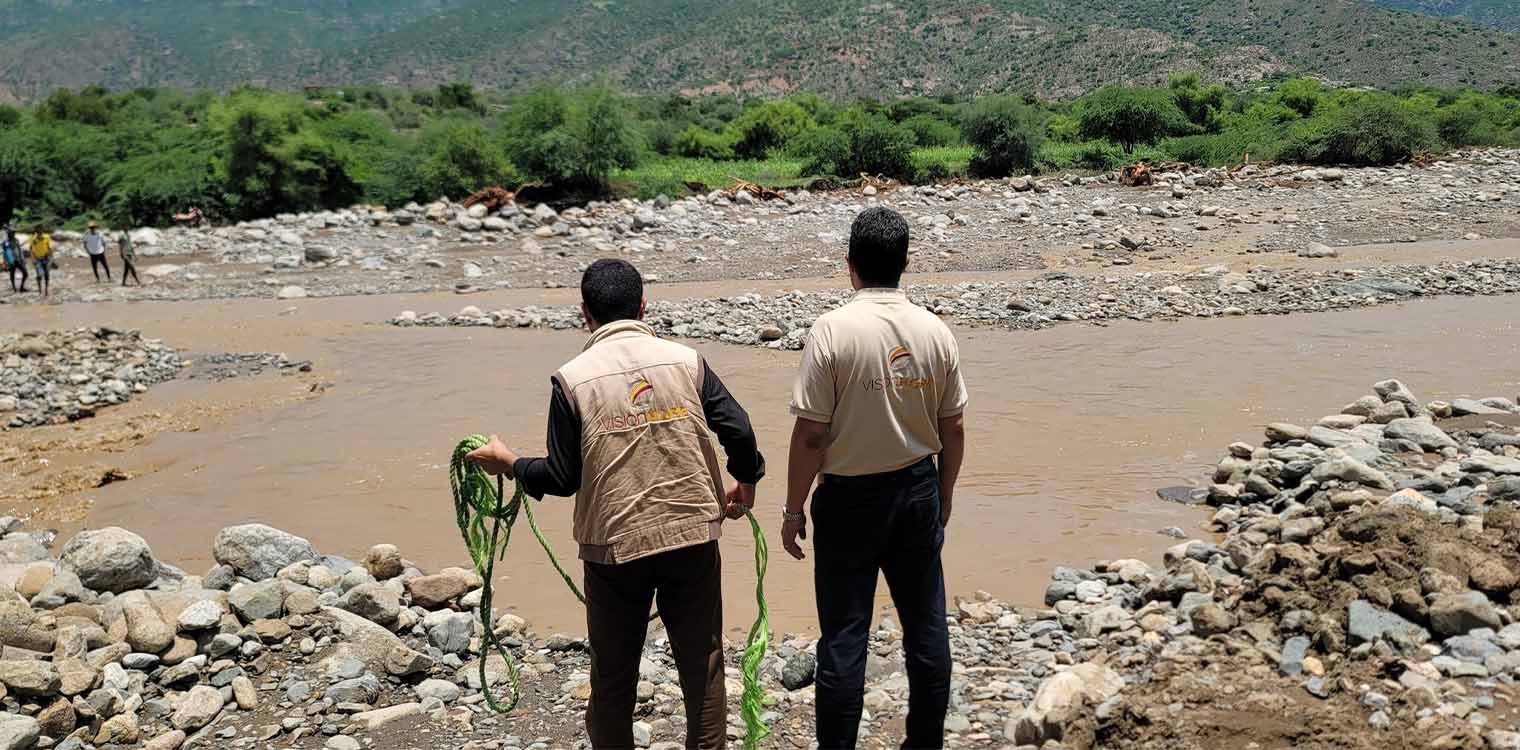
(839,47)
(1502,14)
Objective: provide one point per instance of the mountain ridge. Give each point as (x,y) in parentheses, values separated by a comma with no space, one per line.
(839,47)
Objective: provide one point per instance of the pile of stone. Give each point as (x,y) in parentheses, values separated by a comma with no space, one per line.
(781,321)
(1364,582)
(54,376)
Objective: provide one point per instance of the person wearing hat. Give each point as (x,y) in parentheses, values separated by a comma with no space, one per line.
(95,247)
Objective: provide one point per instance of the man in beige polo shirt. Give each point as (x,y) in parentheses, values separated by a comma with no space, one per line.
(878,399)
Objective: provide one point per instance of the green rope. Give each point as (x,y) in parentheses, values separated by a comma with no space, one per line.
(486,523)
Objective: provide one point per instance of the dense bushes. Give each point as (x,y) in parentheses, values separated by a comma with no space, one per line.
(137,157)
(1006,134)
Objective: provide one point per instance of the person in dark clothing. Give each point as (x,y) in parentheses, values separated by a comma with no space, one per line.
(15,259)
(634,425)
(128,255)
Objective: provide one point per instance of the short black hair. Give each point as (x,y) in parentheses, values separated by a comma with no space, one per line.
(879,246)
(612,289)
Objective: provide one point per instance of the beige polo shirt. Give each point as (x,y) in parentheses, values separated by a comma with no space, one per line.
(881,372)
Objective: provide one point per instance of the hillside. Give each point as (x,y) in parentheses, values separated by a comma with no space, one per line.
(843,47)
(1503,14)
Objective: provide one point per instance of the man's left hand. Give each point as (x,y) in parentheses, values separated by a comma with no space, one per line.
(494,457)
(740,499)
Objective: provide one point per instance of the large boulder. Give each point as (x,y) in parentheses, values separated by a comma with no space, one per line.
(380,650)
(110,559)
(434,591)
(1421,431)
(1456,614)
(264,600)
(1366,623)
(1061,697)
(18,732)
(147,630)
(198,708)
(30,678)
(258,552)
(375,602)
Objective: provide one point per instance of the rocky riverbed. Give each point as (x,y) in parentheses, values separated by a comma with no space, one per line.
(782,321)
(1357,590)
(1070,222)
(50,377)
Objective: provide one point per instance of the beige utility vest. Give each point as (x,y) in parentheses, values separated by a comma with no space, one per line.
(650,477)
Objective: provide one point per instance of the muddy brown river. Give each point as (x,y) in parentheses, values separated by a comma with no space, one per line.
(1072,429)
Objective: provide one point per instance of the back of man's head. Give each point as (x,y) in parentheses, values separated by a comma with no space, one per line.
(879,246)
(612,290)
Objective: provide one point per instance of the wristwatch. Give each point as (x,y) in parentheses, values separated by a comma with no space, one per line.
(790,516)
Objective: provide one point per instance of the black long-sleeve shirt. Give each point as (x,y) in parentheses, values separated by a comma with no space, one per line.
(559,473)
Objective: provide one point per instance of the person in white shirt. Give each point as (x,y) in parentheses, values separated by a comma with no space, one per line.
(95,247)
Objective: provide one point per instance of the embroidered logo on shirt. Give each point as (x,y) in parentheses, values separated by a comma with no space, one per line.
(641,392)
(901,375)
(900,358)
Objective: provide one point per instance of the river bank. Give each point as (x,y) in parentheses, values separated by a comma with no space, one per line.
(1357,596)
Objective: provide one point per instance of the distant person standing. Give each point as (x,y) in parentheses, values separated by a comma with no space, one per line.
(41,248)
(128,254)
(879,402)
(95,247)
(15,259)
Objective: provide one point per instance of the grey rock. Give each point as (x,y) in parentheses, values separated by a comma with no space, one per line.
(363,689)
(799,670)
(1366,623)
(375,602)
(110,559)
(262,600)
(258,552)
(1291,664)
(1421,431)
(198,708)
(1456,614)
(18,732)
(450,632)
(441,690)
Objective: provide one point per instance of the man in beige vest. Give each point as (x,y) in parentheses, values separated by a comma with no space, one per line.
(879,401)
(634,425)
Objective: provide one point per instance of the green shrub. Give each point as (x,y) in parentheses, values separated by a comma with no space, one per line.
(1473,120)
(649,187)
(930,131)
(1202,105)
(859,143)
(1063,128)
(769,126)
(1370,130)
(459,159)
(1006,134)
(570,141)
(1302,95)
(1130,116)
(698,143)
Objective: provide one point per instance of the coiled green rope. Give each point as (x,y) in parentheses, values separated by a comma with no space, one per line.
(486,522)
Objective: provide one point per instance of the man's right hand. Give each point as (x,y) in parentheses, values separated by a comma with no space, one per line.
(740,499)
(791,531)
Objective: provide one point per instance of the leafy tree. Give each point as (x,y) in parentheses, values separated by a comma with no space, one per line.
(23,174)
(859,143)
(317,173)
(1006,134)
(1302,95)
(698,143)
(767,126)
(1473,120)
(1369,130)
(10,117)
(1130,116)
(604,135)
(149,188)
(571,143)
(1201,104)
(254,128)
(461,158)
(930,131)
(459,95)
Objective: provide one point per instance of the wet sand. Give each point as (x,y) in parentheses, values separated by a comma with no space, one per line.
(1071,430)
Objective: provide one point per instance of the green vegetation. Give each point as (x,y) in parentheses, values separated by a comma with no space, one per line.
(140,156)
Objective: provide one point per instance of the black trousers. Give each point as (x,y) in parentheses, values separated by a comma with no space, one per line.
(889,523)
(687,586)
(98,262)
(129,268)
(18,267)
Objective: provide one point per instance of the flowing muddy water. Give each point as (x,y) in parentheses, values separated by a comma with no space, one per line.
(1071,431)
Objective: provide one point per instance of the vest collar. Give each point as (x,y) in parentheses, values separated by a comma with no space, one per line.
(619,329)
